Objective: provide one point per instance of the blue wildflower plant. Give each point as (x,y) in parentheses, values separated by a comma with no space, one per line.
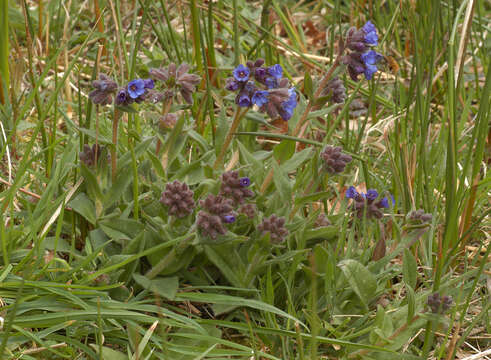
(362,59)
(368,204)
(265,87)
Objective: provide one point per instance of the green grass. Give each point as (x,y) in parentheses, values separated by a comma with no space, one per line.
(93,267)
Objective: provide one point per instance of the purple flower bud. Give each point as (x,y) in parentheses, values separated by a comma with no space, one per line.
(148,83)
(260,74)
(123,98)
(232,84)
(259,62)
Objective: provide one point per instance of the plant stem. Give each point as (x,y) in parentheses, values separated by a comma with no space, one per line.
(117,116)
(235,124)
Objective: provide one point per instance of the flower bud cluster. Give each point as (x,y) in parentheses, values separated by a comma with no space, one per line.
(334,160)
(361,59)
(235,187)
(439,304)
(90,155)
(104,88)
(368,203)
(419,216)
(138,90)
(275,226)
(270,91)
(178,198)
(217,211)
(335,88)
(177,79)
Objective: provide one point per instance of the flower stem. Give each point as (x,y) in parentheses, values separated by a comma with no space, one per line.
(165,110)
(228,139)
(117,116)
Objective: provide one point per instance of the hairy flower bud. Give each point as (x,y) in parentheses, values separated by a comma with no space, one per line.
(104,88)
(334,160)
(178,198)
(275,226)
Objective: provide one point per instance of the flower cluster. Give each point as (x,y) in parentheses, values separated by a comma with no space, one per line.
(368,203)
(270,91)
(361,59)
(334,160)
(90,155)
(439,304)
(235,187)
(275,226)
(137,90)
(176,79)
(178,198)
(216,212)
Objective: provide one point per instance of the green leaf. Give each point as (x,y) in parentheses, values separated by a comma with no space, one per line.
(284,150)
(411,303)
(165,287)
(296,160)
(409,269)
(361,280)
(85,207)
(108,353)
(307,85)
(282,183)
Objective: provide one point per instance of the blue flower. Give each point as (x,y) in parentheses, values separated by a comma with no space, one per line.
(385,201)
(351,193)
(276,71)
(369,71)
(243,100)
(271,83)
(260,98)
(371,37)
(136,88)
(370,58)
(149,84)
(287,107)
(244,181)
(241,73)
(371,194)
(229,219)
